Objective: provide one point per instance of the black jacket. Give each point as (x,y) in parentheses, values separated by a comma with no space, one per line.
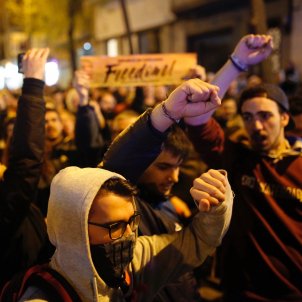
(23,233)
(89,137)
(130,155)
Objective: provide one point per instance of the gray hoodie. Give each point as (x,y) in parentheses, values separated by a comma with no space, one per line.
(158,259)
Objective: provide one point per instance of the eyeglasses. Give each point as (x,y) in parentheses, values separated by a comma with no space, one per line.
(118,229)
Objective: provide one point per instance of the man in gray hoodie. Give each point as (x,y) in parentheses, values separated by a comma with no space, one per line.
(92,222)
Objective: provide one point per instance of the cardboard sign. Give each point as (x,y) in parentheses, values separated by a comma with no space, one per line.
(138,70)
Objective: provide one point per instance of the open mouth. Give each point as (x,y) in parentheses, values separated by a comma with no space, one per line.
(259,138)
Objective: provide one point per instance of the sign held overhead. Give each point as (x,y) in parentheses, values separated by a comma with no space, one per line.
(138,70)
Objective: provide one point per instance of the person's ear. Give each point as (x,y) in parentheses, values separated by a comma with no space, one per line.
(284,119)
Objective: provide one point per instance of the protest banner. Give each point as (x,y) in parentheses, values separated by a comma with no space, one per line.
(138,70)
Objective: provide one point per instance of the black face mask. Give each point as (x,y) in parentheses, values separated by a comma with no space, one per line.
(111,259)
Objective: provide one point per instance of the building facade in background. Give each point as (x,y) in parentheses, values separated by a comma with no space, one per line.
(211,28)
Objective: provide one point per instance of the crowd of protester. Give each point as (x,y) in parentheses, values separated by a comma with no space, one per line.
(86,127)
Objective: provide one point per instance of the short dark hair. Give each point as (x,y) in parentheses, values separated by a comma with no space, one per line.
(119,187)
(177,142)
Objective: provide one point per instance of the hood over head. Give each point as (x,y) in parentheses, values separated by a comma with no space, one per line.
(71,195)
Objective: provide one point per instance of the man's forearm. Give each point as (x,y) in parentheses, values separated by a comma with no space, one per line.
(223,80)
(28,136)
(132,152)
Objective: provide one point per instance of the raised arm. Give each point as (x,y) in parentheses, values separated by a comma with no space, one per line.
(89,121)
(137,147)
(171,255)
(194,100)
(209,189)
(250,50)
(25,156)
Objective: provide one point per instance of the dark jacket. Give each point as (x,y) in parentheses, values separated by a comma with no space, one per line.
(262,252)
(129,159)
(58,157)
(86,150)
(89,137)
(22,228)
(130,154)
(140,146)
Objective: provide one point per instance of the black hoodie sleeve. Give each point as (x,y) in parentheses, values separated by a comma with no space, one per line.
(22,175)
(134,149)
